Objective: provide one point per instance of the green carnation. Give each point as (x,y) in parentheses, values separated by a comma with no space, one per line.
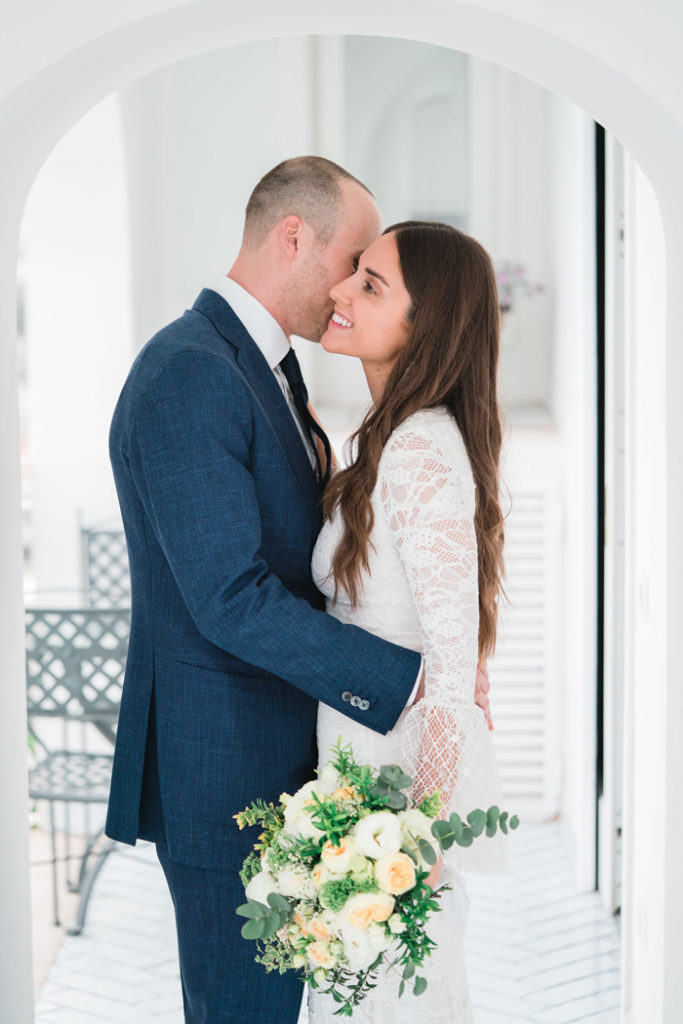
(334,894)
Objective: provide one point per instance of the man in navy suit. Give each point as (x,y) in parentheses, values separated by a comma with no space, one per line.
(219,480)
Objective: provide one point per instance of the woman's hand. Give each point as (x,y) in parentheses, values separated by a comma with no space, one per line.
(482,687)
(435,874)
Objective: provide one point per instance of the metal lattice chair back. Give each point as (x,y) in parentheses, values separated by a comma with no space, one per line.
(75,660)
(106,576)
(74,663)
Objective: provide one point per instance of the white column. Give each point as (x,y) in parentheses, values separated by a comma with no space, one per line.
(16,985)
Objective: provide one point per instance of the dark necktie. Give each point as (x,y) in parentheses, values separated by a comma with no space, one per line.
(292,371)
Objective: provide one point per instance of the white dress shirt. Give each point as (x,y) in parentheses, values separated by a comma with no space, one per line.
(270,339)
(274,346)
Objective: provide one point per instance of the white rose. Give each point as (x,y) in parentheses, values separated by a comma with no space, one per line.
(380,940)
(416,825)
(357,948)
(297,819)
(337,859)
(328,779)
(260,887)
(295,883)
(378,834)
(396,925)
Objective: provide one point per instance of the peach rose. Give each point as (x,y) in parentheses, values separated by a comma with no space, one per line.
(365,908)
(337,858)
(395,873)
(317,928)
(319,954)
(344,793)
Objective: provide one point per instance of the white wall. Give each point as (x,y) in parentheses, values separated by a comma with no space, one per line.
(197,141)
(572,237)
(78,338)
(648,681)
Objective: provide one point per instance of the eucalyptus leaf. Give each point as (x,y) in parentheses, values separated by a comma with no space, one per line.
(493,814)
(445,834)
(394,776)
(272,923)
(420,986)
(278,902)
(427,850)
(466,837)
(408,970)
(477,820)
(504,823)
(514,821)
(254,928)
(401,989)
(252,908)
(396,801)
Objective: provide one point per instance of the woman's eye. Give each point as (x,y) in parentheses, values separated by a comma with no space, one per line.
(368,287)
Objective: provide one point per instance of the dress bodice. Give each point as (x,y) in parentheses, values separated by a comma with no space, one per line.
(421,591)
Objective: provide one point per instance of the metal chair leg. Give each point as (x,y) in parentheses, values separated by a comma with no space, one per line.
(87,885)
(53,838)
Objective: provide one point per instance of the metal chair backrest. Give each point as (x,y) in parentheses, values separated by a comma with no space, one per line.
(75,660)
(106,576)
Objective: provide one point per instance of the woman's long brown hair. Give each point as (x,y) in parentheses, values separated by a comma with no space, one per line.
(450,359)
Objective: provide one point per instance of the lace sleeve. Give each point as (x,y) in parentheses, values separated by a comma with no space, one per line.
(428,499)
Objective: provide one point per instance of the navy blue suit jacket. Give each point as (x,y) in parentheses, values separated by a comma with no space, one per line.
(230,647)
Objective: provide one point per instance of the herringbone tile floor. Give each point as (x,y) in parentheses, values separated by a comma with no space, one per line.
(538,952)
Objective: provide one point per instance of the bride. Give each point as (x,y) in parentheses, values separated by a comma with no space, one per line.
(412,546)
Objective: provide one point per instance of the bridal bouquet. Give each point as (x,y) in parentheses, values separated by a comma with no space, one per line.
(337,882)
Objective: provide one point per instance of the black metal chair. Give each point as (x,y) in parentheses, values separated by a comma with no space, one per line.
(75,660)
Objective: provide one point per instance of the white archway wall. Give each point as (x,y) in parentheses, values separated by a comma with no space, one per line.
(554,47)
(76,282)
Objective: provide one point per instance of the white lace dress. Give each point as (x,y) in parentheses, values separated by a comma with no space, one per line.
(421,592)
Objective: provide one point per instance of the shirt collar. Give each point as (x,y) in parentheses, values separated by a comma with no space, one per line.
(261,325)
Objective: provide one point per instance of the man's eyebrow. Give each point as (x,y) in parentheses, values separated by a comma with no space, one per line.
(373,273)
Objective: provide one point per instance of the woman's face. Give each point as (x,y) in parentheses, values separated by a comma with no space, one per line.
(370,311)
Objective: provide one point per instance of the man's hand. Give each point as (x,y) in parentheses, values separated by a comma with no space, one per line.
(481,692)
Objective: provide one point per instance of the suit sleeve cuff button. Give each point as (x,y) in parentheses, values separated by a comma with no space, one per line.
(347,695)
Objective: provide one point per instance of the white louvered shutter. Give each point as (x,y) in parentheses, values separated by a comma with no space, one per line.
(524,669)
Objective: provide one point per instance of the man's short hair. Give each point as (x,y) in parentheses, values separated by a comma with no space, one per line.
(307,186)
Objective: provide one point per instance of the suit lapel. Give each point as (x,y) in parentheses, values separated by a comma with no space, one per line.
(261,381)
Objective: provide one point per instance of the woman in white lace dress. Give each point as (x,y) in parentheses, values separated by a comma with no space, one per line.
(412,548)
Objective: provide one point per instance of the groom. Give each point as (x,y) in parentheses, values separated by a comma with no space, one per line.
(219,477)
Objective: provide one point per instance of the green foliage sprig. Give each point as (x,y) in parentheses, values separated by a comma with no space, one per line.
(264,921)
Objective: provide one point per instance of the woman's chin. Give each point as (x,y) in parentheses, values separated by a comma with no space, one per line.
(333,343)
(328,341)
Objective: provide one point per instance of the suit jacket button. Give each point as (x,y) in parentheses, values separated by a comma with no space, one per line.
(347,695)
(355,701)
(364,705)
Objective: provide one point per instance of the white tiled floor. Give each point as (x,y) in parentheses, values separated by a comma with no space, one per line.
(538,952)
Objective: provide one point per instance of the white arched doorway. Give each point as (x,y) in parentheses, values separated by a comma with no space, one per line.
(36,114)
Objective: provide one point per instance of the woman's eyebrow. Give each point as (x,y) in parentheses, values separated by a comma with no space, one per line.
(373,273)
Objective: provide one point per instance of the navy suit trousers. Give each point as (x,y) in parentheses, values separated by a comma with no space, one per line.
(222,984)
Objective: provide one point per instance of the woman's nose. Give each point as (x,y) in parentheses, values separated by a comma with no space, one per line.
(340,292)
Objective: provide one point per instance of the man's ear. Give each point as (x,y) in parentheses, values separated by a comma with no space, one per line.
(290,231)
